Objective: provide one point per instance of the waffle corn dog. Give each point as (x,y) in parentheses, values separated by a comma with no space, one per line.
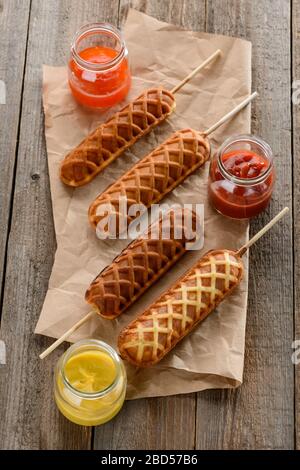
(157,174)
(112,138)
(172,316)
(141,264)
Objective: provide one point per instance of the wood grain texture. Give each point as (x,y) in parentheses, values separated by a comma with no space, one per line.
(296,185)
(154,422)
(13,39)
(189,14)
(29,418)
(260,414)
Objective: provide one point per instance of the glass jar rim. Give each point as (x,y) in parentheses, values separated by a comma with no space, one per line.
(246,138)
(102,346)
(96,28)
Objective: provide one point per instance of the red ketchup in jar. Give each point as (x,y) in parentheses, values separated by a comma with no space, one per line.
(241,177)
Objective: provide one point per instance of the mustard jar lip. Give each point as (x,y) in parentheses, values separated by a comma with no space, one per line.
(94,28)
(103,347)
(245,138)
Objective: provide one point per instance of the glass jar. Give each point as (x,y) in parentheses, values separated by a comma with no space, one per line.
(241,177)
(90,383)
(98,69)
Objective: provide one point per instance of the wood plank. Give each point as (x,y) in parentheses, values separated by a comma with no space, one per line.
(296,174)
(189,14)
(29,419)
(13,38)
(154,423)
(260,414)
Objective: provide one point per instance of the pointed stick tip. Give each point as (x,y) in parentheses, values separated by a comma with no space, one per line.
(196,70)
(230,114)
(261,232)
(66,335)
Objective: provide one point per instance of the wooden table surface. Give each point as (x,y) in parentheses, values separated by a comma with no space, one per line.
(264,413)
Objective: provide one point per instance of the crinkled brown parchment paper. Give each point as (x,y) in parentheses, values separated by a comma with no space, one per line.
(213,355)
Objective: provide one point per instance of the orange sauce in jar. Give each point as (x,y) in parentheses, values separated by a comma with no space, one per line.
(98,70)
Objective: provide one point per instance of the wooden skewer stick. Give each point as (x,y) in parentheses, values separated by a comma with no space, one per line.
(66,335)
(195,71)
(259,234)
(230,114)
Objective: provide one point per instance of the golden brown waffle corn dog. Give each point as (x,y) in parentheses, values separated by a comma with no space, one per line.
(173,315)
(157,174)
(110,139)
(141,264)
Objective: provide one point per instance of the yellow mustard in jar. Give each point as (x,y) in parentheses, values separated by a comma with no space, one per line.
(90,383)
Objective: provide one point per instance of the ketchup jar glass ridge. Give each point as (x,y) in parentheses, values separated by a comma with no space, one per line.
(241,177)
(98,69)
